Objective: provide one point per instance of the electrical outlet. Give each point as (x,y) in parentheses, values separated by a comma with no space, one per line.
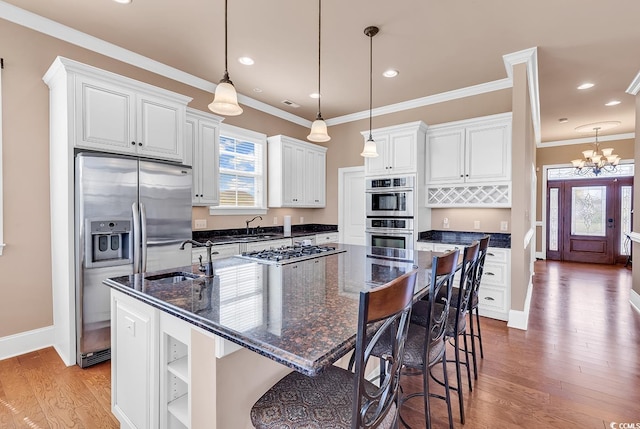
(200,223)
(504,225)
(275,220)
(301,219)
(476,224)
(445,223)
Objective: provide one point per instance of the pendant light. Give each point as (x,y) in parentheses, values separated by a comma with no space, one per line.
(370,150)
(225,100)
(319,127)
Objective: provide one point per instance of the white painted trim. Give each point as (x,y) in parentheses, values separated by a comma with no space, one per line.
(528,236)
(541,255)
(25,342)
(634,300)
(54,29)
(416,126)
(520,319)
(634,86)
(455,94)
(530,57)
(613,137)
(635,236)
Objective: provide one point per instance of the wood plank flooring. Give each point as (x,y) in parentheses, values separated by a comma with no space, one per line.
(577,366)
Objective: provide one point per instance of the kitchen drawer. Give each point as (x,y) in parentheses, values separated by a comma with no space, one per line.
(495,275)
(224,251)
(444,247)
(329,237)
(492,300)
(497,255)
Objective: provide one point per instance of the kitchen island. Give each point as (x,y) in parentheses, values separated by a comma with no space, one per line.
(300,315)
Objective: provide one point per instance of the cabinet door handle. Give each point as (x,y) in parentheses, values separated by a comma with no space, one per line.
(488,298)
(139,143)
(133,143)
(491,254)
(461,175)
(489,273)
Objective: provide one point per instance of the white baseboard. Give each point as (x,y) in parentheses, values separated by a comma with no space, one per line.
(634,299)
(25,342)
(540,255)
(520,319)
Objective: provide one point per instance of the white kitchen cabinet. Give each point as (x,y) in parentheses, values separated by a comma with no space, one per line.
(470,151)
(397,148)
(297,172)
(202,149)
(494,295)
(327,237)
(134,363)
(224,251)
(427,247)
(119,115)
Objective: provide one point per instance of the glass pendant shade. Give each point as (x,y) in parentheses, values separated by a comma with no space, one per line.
(319,131)
(225,100)
(370,150)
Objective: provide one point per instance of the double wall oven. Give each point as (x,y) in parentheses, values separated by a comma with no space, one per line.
(389,209)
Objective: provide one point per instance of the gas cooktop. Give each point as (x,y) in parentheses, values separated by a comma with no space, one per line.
(290,254)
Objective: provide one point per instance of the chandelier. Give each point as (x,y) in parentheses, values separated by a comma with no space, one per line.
(595,161)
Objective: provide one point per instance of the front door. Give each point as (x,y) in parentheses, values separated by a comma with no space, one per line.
(586,218)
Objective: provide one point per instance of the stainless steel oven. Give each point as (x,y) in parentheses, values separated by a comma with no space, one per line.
(390,196)
(390,232)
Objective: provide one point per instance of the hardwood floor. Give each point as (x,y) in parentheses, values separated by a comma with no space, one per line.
(577,366)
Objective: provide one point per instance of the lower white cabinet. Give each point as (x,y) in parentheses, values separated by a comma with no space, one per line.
(224,251)
(327,237)
(267,244)
(134,364)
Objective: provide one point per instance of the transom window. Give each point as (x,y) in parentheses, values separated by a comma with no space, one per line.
(242,171)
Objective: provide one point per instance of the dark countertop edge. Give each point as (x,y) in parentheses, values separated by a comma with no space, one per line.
(498,240)
(276,355)
(226,236)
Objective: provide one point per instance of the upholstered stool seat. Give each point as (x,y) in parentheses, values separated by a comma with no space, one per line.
(311,402)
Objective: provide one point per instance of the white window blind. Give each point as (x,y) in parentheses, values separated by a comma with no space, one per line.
(241,296)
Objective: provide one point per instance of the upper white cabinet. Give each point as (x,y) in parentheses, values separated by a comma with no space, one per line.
(112,113)
(471,151)
(202,149)
(468,163)
(397,148)
(297,172)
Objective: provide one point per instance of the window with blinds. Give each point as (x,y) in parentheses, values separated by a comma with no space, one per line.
(241,172)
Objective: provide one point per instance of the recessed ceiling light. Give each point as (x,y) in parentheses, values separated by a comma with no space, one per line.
(314,95)
(563,120)
(613,103)
(586,85)
(246,61)
(257,90)
(122,1)
(390,73)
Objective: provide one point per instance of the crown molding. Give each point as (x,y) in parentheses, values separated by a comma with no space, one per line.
(612,137)
(530,58)
(59,31)
(455,94)
(634,86)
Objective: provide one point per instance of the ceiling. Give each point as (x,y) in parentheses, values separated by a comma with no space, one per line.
(436,45)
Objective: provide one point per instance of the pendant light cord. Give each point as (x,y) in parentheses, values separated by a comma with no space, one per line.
(370,82)
(319,53)
(226,69)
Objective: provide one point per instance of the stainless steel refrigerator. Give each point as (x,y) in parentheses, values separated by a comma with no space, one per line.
(131,216)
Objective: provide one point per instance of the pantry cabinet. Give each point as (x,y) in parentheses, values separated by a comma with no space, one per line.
(397,147)
(297,172)
(202,149)
(119,115)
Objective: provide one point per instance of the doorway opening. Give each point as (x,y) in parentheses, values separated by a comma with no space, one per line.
(589,218)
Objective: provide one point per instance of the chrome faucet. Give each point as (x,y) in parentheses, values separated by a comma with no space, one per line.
(208,268)
(249,221)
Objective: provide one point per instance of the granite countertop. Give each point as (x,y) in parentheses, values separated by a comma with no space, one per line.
(225,236)
(465,238)
(303,315)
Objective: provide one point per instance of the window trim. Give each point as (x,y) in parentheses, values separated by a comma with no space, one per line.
(256,138)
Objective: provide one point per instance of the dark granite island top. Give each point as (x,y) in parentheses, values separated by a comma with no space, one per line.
(303,315)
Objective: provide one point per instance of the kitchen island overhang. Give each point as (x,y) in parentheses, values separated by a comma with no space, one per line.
(302,315)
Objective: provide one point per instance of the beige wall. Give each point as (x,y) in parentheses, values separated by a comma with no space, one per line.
(523,162)
(463,219)
(25,267)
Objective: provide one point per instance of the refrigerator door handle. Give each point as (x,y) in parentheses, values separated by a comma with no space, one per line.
(136,237)
(143,242)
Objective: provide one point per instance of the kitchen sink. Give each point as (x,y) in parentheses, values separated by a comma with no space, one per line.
(170,278)
(249,237)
